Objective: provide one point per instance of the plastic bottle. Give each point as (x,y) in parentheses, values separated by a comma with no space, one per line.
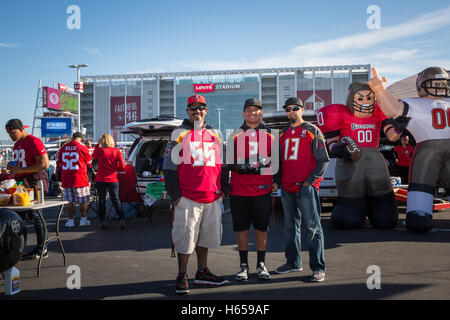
(39,192)
(12,281)
(20,196)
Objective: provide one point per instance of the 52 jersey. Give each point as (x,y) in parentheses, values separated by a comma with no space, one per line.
(73,160)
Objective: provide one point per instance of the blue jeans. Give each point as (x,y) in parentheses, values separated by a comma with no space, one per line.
(302,209)
(113,190)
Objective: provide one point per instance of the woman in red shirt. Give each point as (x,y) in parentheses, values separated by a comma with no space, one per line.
(110,161)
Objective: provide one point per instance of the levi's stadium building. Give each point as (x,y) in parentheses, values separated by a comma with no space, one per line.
(111,101)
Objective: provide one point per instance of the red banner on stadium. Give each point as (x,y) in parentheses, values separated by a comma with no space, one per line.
(322,98)
(50,98)
(120,115)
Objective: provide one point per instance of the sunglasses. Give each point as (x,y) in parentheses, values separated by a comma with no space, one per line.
(200,108)
(289,109)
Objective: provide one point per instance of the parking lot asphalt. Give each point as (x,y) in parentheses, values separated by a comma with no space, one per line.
(136,263)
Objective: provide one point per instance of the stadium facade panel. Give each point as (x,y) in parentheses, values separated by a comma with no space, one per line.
(111,101)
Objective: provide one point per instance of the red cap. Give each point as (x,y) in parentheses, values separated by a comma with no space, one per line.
(196,98)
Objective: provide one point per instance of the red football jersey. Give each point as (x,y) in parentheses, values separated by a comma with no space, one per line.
(404,155)
(247,144)
(299,148)
(73,160)
(365,131)
(110,161)
(200,165)
(26,150)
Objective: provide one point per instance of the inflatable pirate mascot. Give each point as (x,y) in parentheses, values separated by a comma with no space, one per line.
(362,178)
(427,118)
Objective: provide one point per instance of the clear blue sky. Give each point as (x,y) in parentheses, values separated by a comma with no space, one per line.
(154,36)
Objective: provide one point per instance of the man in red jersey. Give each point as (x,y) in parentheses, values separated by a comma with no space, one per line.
(248,156)
(192,171)
(31,160)
(304,159)
(364,185)
(404,153)
(73,161)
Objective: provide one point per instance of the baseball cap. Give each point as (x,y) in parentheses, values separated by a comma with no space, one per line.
(77,135)
(252,102)
(196,98)
(14,124)
(293,101)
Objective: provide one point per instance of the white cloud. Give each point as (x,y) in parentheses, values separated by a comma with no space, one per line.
(403,58)
(93,51)
(8,45)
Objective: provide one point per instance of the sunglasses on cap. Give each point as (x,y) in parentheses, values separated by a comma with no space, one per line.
(289,109)
(193,108)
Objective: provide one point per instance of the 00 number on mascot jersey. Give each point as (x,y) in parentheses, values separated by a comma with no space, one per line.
(440,118)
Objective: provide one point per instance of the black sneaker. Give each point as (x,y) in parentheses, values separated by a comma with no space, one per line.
(206,277)
(34,254)
(182,286)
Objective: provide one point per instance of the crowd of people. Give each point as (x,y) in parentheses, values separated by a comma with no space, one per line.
(74,169)
(200,170)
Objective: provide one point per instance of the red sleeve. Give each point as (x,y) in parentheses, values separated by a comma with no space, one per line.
(59,160)
(95,153)
(120,161)
(37,147)
(329,118)
(86,155)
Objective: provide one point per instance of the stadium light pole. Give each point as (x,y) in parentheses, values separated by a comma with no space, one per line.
(219,109)
(78,66)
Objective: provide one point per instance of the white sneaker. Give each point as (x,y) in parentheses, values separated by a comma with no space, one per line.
(84,222)
(318,276)
(70,223)
(242,273)
(262,272)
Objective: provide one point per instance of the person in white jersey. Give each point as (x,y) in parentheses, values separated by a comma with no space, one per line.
(427,118)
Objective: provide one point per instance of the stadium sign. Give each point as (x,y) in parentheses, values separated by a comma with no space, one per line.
(55,127)
(210,87)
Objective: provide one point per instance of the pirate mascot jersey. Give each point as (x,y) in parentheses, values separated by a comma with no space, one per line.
(429,124)
(364,186)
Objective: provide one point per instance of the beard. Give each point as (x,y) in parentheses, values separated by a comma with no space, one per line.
(292,120)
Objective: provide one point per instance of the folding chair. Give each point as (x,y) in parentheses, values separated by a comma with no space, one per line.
(130,195)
